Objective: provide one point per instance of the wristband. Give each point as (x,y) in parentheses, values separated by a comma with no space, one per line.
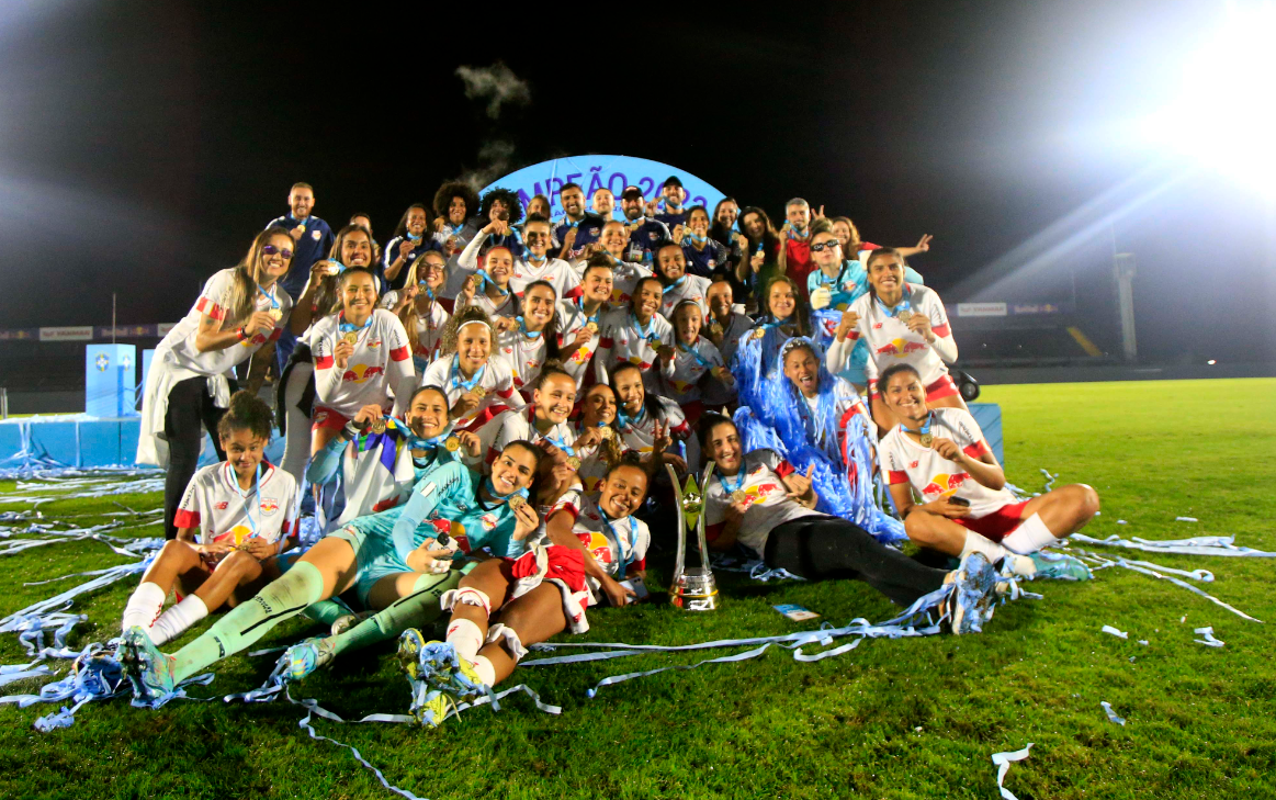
(241,333)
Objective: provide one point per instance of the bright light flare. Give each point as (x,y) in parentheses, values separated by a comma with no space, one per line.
(1225,117)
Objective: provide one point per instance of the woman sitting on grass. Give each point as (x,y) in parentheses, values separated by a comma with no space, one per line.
(391,559)
(940,455)
(508,603)
(235,517)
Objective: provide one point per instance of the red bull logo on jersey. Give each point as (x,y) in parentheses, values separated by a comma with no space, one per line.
(681,387)
(362,372)
(488,521)
(944,485)
(900,348)
(235,535)
(581,356)
(757,495)
(372,343)
(596,544)
(269,506)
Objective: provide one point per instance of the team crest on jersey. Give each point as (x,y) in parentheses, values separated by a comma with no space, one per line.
(652,235)
(269,506)
(316,234)
(712,263)
(489,521)
(373,343)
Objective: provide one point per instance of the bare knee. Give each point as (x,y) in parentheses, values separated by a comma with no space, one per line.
(240,565)
(1084,500)
(919,526)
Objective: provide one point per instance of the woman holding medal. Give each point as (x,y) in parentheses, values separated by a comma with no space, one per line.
(420,308)
(724,327)
(579,319)
(506,604)
(599,444)
(612,245)
(456,207)
(295,393)
(941,456)
(649,424)
(478,386)
(544,419)
(903,324)
(677,285)
(538,265)
(758,501)
(411,241)
(238,314)
(704,255)
(362,358)
(696,364)
(529,340)
(636,334)
(394,560)
(488,288)
(757,365)
(235,517)
(763,264)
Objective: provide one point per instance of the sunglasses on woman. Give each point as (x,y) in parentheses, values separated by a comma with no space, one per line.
(828,243)
(270,250)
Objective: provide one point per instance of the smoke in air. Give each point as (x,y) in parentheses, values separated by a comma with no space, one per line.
(498,84)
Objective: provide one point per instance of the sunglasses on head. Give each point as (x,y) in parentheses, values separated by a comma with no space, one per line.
(829,243)
(270,250)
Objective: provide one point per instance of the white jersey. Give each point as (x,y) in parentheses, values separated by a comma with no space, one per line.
(429,330)
(506,305)
(184,359)
(766,501)
(571,319)
(623,340)
(612,542)
(224,513)
(891,342)
(691,365)
(522,355)
(495,378)
(456,272)
(380,363)
(640,433)
(510,426)
(593,465)
(554,271)
(689,287)
(931,475)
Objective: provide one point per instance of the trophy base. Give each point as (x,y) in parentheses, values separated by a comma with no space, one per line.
(695,590)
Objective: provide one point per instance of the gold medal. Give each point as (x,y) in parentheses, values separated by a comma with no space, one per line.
(904,315)
(573,462)
(516,502)
(591,326)
(479,392)
(275,314)
(452,444)
(738,496)
(927,438)
(378,425)
(758,333)
(606,432)
(715,329)
(351,337)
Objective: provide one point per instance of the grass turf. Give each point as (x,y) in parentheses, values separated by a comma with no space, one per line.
(901,719)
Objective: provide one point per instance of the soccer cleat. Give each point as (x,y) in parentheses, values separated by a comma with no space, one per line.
(969,605)
(432,709)
(148,670)
(1059,567)
(98,674)
(347,621)
(305,657)
(441,678)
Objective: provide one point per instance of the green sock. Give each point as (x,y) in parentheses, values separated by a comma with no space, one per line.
(248,622)
(326,612)
(413,611)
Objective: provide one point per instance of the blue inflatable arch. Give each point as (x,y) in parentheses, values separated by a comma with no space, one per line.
(600,171)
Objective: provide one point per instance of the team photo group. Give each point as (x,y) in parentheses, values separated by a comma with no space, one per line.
(487,416)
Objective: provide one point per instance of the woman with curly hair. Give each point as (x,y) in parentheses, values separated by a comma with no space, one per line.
(478,386)
(457,208)
(502,206)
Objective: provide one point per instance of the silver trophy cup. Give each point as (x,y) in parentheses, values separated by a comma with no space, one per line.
(693,588)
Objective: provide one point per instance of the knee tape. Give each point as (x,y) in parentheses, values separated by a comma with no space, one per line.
(467,596)
(513,644)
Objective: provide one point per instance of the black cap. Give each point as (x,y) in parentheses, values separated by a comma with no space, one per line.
(672,180)
(631,193)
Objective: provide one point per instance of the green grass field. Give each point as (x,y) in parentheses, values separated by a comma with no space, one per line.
(892,719)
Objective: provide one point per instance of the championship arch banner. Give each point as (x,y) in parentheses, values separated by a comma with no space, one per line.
(603,172)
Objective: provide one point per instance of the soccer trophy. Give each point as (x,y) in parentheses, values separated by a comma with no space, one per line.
(693,589)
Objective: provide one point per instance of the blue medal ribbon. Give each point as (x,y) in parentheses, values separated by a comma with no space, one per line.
(273,302)
(731,489)
(243,495)
(925,429)
(457,382)
(340,267)
(625,558)
(491,490)
(694,353)
(350,327)
(891,311)
(648,335)
(522,327)
(674,285)
(580,303)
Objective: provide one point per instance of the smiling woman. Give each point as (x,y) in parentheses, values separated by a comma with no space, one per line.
(240,311)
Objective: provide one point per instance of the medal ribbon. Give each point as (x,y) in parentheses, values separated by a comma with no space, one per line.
(456,375)
(350,327)
(648,335)
(522,326)
(243,495)
(268,295)
(674,285)
(625,558)
(741,474)
(694,353)
(890,311)
(925,429)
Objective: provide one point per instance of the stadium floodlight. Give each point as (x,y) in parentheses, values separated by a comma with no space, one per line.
(1224,117)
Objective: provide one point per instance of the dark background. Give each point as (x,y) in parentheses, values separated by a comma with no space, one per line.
(142,145)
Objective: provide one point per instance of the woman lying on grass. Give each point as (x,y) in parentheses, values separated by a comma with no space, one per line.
(941,456)
(390,558)
(759,501)
(508,603)
(235,517)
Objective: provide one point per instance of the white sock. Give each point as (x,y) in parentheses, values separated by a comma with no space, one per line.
(144,606)
(1031,535)
(978,544)
(466,637)
(485,670)
(178,619)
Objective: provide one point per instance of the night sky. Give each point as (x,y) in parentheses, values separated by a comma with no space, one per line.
(142,145)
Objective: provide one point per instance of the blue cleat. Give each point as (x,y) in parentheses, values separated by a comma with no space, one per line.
(148,670)
(305,657)
(970,604)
